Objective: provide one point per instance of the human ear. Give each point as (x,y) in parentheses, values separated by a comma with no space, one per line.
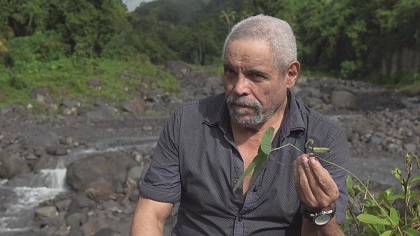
(292,74)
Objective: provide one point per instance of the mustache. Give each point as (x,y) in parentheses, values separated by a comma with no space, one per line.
(242,101)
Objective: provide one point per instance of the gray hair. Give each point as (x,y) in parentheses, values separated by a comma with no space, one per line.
(276,32)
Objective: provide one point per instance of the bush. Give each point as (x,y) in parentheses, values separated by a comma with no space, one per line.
(118,48)
(387,212)
(349,69)
(37,47)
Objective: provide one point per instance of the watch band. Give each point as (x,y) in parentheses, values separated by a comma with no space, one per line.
(319,218)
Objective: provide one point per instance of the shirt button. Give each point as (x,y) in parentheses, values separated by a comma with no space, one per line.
(240,218)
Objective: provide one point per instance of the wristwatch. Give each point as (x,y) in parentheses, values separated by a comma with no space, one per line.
(319,218)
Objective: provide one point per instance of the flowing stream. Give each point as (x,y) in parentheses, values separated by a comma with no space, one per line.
(20,196)
(18,202)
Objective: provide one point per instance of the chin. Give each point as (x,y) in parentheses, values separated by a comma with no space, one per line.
(248,122)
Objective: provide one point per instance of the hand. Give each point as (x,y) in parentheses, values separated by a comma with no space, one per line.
(315,187)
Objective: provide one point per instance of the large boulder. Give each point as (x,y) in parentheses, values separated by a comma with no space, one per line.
(12,165)
(343,99)
(179,69)
(99,175)
(135,105)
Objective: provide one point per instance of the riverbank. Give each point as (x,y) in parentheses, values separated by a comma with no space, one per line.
(104,150)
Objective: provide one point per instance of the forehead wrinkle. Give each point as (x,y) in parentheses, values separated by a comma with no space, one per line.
(249,55)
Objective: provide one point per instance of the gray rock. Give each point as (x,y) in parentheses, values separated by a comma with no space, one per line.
(93,225)
(80,202)
(56,150)
(343,99)
(45,212)
(75,232)
(43,97)
(75,220)
(410,147)
(63,205)
(46,162)
(213,85)
(179,69)
(107,232)
(110,168)
(95,83)
(102,113)
(12,165)
(134,105)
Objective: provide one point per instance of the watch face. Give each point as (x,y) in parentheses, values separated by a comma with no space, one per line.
(322,219)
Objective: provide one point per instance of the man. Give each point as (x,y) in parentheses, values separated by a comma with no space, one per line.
(207,144)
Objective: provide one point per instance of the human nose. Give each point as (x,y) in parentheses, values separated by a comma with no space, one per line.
(241,85)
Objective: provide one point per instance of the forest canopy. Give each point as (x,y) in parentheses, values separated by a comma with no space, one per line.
(376,40)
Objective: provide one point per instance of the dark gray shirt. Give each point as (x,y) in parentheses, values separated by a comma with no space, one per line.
(197,163)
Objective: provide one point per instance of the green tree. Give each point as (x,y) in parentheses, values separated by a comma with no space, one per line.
(85,26)
(228,18)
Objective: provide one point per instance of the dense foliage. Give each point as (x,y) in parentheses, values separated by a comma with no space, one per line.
(376,40)
(348,38)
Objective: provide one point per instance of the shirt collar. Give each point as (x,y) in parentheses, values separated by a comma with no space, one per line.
(293,120)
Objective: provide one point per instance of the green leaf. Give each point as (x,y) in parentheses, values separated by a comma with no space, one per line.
(321,150)
(394,216)
(397,173)
(350,189)
(372,219)
(417,160)
(265,145)
(246,172)
(412,232)
(396,197)
(259,160)
(386,233)
(390,191)
(416,179)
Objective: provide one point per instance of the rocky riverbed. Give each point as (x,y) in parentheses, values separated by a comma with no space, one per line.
(75,170)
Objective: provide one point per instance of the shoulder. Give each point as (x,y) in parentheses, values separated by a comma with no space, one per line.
(318,126)
(208,108)
(316,118)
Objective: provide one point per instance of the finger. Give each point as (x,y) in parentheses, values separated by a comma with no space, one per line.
(324,182)
(302,185)
(314,191)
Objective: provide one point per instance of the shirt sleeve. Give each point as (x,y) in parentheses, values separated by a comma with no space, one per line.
(162,180)
(339,156)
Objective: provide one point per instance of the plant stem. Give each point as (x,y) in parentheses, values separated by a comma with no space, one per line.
(352,175)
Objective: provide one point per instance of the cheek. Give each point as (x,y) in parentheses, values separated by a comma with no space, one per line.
(271,96)
(228,86)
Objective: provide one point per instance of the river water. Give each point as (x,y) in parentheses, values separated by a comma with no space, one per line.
(20,196)
(18,202)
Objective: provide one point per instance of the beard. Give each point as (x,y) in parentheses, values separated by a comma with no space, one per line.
(243,116)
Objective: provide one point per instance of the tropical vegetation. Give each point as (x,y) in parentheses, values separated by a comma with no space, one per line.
(375,40)
(62,44)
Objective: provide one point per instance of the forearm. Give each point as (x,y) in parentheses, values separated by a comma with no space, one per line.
(149,218)
(146,227)
(332,228)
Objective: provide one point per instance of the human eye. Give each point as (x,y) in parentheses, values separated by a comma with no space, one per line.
(256,75)
(228,70)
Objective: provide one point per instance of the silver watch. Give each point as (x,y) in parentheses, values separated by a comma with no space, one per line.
(319,218)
